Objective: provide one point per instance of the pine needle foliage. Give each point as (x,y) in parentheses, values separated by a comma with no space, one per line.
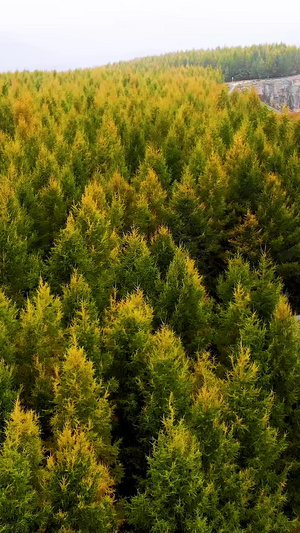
(149,282)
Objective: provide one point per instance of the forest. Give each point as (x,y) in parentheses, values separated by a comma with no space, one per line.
(236,63)
(149,286)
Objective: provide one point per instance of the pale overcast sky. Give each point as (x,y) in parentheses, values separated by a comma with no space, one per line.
(63,34)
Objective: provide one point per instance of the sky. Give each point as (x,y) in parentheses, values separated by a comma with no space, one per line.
(68,34)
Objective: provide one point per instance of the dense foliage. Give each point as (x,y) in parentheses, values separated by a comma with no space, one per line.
(150,275)
(236,63)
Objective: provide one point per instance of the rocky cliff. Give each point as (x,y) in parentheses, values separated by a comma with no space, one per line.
(275,92)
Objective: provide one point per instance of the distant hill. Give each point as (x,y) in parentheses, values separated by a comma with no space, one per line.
(240,63)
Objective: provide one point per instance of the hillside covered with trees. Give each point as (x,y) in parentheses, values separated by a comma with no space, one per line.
(150,277)
(238,63)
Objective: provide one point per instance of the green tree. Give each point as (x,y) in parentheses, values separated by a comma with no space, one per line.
(260,446)
(19,263)
(74,294)
(154,159)
(82,402)
(184,304)
(40,347)
(77,488)
(20,460)
(150,200)
(167,373)
(194,222)
(87,244)
(163,249)
(175,497)
(136,267)
(126,336)
(241,451)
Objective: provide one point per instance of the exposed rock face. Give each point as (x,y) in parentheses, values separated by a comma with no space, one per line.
(275,92)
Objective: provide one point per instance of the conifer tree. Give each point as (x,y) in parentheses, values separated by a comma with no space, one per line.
(110,153)
(137,268)
(40,346)
(240,449)
(49,214)
(155,160)
(282,339)
(126,336)
(86,332)
(20,460)
(167,373)
(74,294)
(175,497)
(120,192)
(279,220)
(87,244)
(81,160)
(197,162)
(163,249)
(77,488)
(188,219)
(260,446)
(82,402)
(81,317)
(173,155)
(19,264)
(246,238)
(150,198)
(263,287)
(135,148)
(184,305)
(245,178)
(212,190)
(195,223)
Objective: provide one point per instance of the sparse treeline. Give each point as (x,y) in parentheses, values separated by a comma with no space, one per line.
(149,249)
(239,63)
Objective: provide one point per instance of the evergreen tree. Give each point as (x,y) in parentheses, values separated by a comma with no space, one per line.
(78,489)
(82,402)
(87,244)
(163,249)
(126,336)
(175,497)
(85,330)
(19,264)
(246,238)
(20,460)
(184,305)
(137,268)
(40,346)
(49,214)
(121,194)
(74,294)
(150,199)
(241,451)
(155,160)
(167,373)
(260,447)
